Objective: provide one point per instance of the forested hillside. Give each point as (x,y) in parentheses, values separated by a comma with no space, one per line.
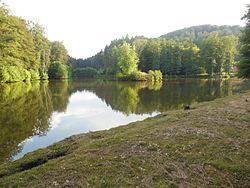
(197,33)
(26,53)
(196,50)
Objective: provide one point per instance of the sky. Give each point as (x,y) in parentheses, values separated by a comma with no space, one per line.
(86,26)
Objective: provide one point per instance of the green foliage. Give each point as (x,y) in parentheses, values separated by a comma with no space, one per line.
(155,76)
(42,48)
(24,49)
(197,34)
(230,51)
(150,56)
(141,76)
(126,59)
(58,52)
(45,76)
(244,65)
(14,74)
(191,51)
(16,44)
(85,73)
(34,75)
(58,70)
(215,52)
(135,76)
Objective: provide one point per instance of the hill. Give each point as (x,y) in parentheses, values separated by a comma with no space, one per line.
(197,33)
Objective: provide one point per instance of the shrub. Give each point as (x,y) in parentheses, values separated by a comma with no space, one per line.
(85,72)
(58,70)
(135,76)
(155,76)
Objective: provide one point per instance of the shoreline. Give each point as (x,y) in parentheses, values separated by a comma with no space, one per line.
(206,146)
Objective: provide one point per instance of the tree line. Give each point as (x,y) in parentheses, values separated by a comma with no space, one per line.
(26,53)
(216,54)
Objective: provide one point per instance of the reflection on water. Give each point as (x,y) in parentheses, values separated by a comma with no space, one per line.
(34,115)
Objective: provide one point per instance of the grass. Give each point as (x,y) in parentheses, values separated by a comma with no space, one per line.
(207,146)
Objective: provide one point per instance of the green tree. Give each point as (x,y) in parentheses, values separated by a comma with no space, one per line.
(190,59)
(25,52)
(17,51)
(230,43)
(150,56)
(166,55)
(244,65)
(200,49)
(42,48)
(58,70)
(58,52)
(126,58)
(212,54)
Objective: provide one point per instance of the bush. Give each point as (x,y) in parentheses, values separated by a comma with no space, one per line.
(85,73)
(141,76)
(58,70)
(155,76)
(135,76)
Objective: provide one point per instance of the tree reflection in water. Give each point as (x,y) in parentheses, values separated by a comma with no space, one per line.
(26,108)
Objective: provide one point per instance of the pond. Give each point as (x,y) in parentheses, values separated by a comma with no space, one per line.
(37,114)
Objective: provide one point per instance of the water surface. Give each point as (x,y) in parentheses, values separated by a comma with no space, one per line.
(37,114)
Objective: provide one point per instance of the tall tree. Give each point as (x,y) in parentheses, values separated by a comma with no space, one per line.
(230,42)
(150,56)
(58,68)
(17,51)
(58,52)
(190,59)
(126,58)
(42,48)
(212,53)
(244,65)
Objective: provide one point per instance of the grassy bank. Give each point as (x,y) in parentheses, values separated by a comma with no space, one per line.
(206,146)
